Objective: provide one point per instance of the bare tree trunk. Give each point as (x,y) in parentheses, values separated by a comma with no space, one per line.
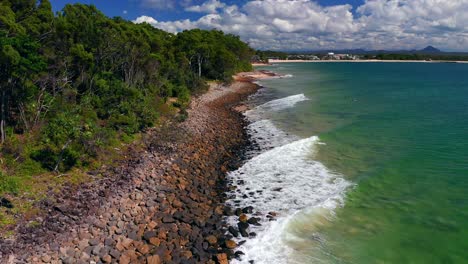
(59,160)
(199,65)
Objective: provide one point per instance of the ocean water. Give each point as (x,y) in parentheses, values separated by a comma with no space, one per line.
(363,163)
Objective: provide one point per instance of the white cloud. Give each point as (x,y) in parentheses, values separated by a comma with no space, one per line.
(172,26)
(304,24)
(125,12)
(210,7)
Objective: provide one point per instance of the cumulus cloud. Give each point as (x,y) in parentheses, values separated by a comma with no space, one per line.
(171,26)
(304,24)
(210,6)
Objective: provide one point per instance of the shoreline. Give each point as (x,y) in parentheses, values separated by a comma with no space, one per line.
(165,205)
(361,61)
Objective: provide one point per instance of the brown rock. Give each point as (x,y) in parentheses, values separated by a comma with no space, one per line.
(107,259)
(162,235)
(153,260)
(177,204)
(186,254)
(152,225)
(222,258)
(126,243)
(119,247)
(212,240)
(46,258)
(124,259)
(231,244)
(144,249)
(243,218)
(155,241)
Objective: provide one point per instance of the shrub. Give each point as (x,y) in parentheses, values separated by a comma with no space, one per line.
(9,184)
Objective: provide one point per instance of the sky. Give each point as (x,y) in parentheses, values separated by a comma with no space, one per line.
(307,24)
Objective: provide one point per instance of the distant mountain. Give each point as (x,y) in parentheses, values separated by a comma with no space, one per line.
(430,49)
(426,50)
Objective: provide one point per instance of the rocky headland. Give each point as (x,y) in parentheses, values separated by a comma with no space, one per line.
(165,205)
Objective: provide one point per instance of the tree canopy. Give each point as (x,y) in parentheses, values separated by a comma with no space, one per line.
(72,82)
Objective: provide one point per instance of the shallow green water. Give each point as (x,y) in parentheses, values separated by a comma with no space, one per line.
(399,131)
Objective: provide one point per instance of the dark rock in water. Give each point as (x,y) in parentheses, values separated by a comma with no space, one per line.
(252,234)
(277,189)
(238,212)
(248,210)
(254,221)
(243,233)
(243,227)
(228,211)
(251,261)
(233,231)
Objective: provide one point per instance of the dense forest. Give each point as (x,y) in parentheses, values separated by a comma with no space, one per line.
(264,55)
(76,83)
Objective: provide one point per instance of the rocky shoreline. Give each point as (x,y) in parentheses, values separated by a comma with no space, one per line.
(165,205)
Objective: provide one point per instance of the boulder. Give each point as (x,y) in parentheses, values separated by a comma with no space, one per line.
(155,259)
(231,244)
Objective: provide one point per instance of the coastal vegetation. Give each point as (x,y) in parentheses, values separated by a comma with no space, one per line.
(77,85)
(420,56)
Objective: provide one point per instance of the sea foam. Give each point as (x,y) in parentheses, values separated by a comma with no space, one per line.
(260,111)
(281,176)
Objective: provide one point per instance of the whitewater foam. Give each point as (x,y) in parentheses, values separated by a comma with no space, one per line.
(260,111)
(285,180)
(283,177)
(266,136)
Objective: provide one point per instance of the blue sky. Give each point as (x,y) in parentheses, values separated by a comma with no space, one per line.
(131,9)
(307,24)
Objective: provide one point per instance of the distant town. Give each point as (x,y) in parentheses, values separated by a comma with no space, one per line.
(427,54)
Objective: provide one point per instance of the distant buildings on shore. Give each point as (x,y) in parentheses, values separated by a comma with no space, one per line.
(306,57)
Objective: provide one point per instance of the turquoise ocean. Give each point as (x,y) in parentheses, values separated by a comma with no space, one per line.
(363,162)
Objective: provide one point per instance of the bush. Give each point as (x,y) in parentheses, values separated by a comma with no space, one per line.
(9,184)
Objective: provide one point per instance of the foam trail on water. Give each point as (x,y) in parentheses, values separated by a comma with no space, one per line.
(275,105)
